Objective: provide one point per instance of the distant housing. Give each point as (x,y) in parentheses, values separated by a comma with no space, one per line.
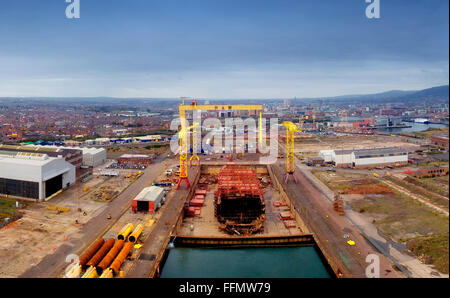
(128,140)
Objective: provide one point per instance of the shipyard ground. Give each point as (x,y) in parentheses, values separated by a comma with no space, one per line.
(53,262)
(312,210)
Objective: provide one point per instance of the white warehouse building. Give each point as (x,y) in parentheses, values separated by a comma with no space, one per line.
(366,158)
(91,156)
(34,175)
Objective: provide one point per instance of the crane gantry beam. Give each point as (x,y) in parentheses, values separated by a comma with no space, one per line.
(183,108)
(291,128)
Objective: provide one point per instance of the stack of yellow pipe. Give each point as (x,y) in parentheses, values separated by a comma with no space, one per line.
(108,273)
(136,233)
(90,273)
(126,230)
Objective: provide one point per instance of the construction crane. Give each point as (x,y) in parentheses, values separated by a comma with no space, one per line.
(314,119)
(183,156)
(183,98)
(300,122)
(291,128)
(183,108)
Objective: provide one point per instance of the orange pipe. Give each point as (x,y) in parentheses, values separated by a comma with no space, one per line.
(107,260)
(91,251)
(121,257)
(101,252)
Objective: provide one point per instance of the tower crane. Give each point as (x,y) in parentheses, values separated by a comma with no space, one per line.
(314,119)
(183,98)
(300,122)
(291,128)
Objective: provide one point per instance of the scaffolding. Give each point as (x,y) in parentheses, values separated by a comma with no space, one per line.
(239,203)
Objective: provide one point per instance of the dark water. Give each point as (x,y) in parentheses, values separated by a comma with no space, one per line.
(416,127)
(270,262)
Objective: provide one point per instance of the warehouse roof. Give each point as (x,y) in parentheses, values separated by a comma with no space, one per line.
(25,161)
(150,193)
(134,156)
(380,151)
(343,152)
(441,136)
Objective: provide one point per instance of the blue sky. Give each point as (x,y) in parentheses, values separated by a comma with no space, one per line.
(221,49)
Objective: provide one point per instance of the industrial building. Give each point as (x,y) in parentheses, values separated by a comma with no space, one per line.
(430,171)
(92,157)
(366,158)
(34,175)
(149,199)
(135,159)
(71,155)
(440,140)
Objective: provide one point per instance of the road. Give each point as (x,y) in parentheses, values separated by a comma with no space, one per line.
(53,264)
(156,243)
(314,205)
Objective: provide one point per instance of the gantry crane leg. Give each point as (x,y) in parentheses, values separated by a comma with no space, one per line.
(290,157)
(194,160)
(183,153)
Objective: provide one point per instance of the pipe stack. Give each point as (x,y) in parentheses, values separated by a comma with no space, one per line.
(101,252)
(115,266)
(87,255)
(108,259)
(136,233)
(126,230)
(90,273)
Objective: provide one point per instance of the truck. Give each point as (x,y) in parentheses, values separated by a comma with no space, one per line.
(330,169)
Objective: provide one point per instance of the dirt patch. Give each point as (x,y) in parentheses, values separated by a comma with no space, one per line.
(432,250)
(368,189)
(406,221)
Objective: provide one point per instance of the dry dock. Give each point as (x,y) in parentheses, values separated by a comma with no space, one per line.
(203,230)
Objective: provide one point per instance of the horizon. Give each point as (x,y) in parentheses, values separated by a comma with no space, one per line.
(198,98)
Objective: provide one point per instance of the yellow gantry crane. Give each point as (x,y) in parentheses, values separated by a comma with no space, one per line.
(291,128)
(183,108)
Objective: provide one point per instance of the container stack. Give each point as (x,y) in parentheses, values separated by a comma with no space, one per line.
(196,203)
